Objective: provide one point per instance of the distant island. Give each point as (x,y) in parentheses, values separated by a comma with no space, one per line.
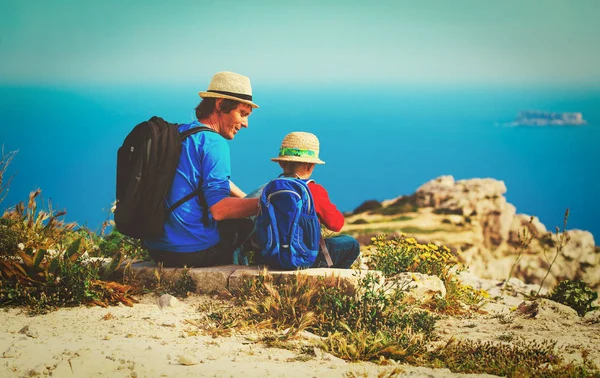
(541,118)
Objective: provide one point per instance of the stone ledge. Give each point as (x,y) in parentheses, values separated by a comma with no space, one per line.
(232,277)
(347,276)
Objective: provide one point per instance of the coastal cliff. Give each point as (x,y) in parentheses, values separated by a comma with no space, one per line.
(474,218)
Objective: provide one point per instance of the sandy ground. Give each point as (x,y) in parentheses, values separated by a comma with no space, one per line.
(149,341)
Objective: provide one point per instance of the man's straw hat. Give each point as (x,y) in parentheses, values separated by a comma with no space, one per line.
(230,85)
(299,147)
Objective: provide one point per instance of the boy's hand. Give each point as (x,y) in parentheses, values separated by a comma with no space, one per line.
(234,191)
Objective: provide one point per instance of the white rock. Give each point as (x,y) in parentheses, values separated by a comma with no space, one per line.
(420,286)
(187,360)
(310,336)
(592,317)
(167,300)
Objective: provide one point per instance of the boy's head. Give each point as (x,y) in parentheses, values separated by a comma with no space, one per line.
(302,170)
(298,154)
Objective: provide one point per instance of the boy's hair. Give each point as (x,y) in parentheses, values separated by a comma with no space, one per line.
(293,166)
(207,106)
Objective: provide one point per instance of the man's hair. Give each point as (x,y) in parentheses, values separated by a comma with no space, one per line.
(208,105)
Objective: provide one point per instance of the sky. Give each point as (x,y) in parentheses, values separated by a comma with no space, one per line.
(523,42)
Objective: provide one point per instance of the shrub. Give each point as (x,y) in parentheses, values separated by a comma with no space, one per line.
(9,239)
(367,206)
(44,283)
(5,160)
(575,294)
(44,268)
(115,244)
(404,204)
(520,359)
(370,323)
(405,254)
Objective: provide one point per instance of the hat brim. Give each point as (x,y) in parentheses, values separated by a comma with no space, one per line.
(299,159)
(219,95)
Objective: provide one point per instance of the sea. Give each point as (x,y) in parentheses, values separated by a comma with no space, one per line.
(378,142)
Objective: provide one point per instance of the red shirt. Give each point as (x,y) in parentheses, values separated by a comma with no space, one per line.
(328,214)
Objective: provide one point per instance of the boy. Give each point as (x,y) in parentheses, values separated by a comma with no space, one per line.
(298,155)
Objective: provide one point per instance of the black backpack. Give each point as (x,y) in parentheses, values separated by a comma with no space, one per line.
(146,165)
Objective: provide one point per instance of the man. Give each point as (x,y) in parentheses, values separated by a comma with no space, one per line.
(205,230)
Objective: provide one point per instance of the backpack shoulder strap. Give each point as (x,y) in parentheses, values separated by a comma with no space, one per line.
(325,252)
(198,191)
(288,176)
(195,130)
(324,249)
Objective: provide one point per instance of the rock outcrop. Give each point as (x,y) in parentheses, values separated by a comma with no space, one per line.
(489,233)
(501,231)
(482,199)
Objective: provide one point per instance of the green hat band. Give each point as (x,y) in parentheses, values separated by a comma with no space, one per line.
(285,151)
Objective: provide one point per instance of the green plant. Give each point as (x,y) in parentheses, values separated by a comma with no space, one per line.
(367,206)
(576,294)
(43,284)
(45,268)
(404,204)
(519,359)
(115,244)
(38,229)
(524,237)
(362,322)
(405,254)
(183,285)
(419,230)
(5,161)
(562,240)
(9,239)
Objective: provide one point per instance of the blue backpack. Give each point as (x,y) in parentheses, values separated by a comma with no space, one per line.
(287,227)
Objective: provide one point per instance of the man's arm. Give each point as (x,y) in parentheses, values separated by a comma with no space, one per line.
(234,208)
(235,191)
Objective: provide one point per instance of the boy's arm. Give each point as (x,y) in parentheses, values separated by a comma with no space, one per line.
(328,214)
(235,191)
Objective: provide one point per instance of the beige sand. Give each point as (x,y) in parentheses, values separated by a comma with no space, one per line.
(147,341)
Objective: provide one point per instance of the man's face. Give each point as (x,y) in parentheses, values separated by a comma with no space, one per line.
(230,123)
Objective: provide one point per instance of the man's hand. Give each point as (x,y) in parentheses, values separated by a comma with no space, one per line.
(234,208)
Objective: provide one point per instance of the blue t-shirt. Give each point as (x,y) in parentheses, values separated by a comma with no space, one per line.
(204,161)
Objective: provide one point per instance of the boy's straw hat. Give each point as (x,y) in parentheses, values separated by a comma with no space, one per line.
(299,147)
(230,85)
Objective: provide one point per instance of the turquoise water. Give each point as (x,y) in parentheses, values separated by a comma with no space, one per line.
(378,143)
